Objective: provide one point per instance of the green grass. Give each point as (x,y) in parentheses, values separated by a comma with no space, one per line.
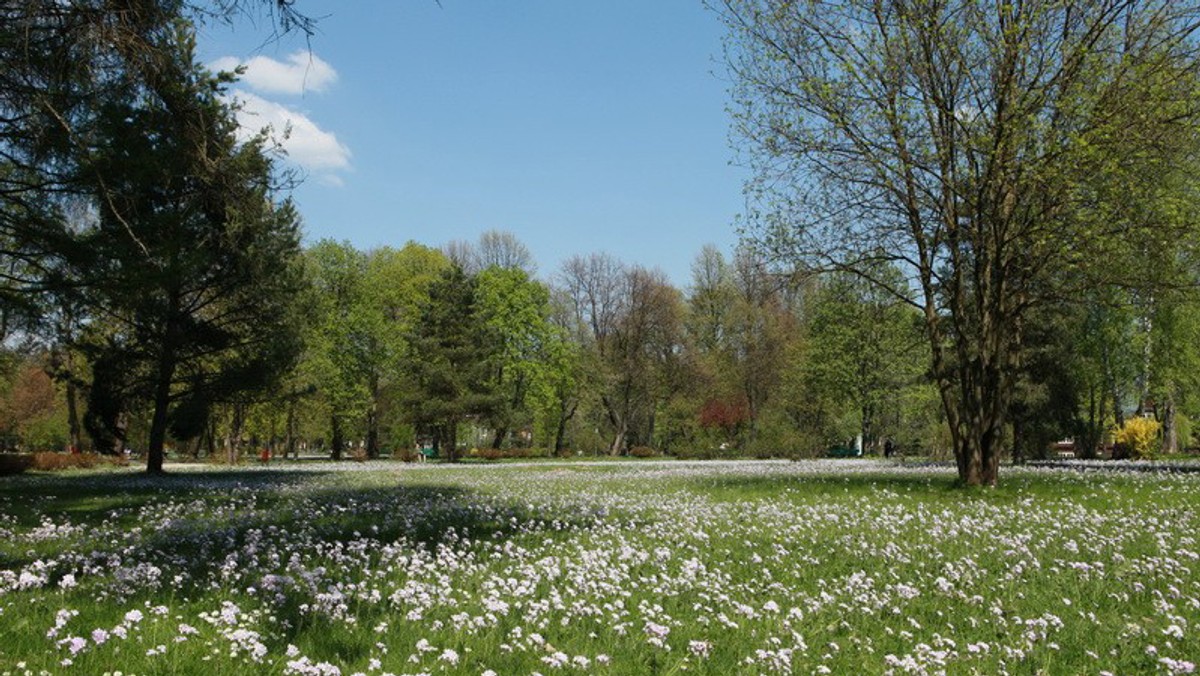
(621,568)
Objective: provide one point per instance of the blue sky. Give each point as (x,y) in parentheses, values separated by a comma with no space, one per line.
(579,127)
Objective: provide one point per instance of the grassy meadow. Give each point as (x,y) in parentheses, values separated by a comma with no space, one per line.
(646,567)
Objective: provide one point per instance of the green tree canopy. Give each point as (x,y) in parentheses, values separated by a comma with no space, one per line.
(191,265)
(980,148)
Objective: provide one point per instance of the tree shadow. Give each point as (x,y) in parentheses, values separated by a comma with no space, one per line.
(91,498)
(216,519)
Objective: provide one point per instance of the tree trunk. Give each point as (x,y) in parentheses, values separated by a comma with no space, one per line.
(336,442)
(373,420)
(498,438)
(75,433)
(120,434)
(289,447)
(619,422)
(233,442)
(373,434)
(560,434)
(1091,438)
(1170,427)
(210,437)
(978,453)
(867,429)
(158,423)
(618,442)
(450,438)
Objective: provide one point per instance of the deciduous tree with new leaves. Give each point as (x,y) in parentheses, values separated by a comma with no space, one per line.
(978,147)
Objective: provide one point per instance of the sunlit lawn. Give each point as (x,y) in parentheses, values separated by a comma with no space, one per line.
(621,568)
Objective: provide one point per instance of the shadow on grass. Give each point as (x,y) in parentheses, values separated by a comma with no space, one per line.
(197,528)
(93,497)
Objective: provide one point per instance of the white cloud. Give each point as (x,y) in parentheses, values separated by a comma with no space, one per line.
(303,71)
(307,145)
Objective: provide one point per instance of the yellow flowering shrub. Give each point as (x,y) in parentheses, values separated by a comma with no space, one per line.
(1140,436)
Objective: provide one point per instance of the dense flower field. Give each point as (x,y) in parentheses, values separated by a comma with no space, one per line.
(614,568)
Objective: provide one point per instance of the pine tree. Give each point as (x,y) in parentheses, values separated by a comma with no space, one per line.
(192,265)
(452,356)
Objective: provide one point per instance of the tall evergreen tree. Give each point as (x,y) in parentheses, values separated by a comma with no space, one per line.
(192,265)
(452,359)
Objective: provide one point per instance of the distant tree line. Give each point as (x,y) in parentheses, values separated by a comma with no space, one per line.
(464,349)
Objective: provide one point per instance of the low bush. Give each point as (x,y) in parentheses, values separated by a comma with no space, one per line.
(405,454)
(642,452)
(52,462)
(12,463)
(690,453)
(488,453)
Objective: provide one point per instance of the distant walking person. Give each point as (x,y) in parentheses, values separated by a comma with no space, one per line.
(889,448)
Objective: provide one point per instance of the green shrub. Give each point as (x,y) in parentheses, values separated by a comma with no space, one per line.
(778,437)
(642,452)
(405,454)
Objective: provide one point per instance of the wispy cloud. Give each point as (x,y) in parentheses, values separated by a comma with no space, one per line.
(302,71)
(306,143)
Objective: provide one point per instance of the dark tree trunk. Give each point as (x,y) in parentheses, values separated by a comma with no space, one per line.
(1018,447)
(373,420)
(450,439)
(233,443)
(75,433)
(867,429)
(560,434)
(289,447)
(337,442)
(120,433)
(211,437)
(158,423)
(498,438)
(1092,432)
(978,454)
(372,435)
